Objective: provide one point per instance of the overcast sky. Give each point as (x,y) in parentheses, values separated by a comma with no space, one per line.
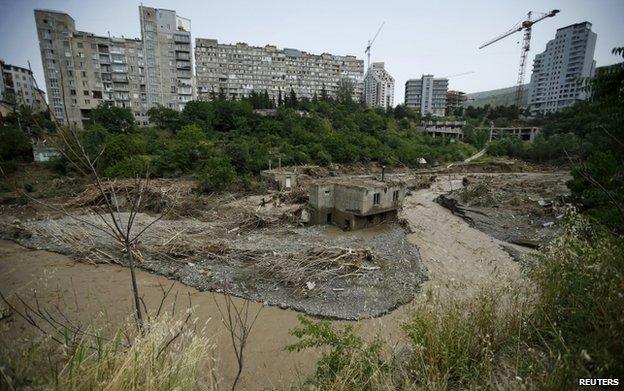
(438,37)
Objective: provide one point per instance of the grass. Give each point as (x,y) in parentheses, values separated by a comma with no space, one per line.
(152,361)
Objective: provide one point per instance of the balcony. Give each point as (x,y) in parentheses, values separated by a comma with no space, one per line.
(120,78)
(183,65)
(178,38)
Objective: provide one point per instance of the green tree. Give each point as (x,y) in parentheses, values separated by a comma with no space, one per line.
(114,119)
(216,175)
(165,118)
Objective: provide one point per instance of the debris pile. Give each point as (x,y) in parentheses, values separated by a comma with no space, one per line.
(325,264)
(156,194)
(517,208)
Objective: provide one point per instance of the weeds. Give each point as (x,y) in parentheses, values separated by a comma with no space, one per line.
(566,323)
(153,361)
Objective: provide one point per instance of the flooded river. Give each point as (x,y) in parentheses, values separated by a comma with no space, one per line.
(458,258)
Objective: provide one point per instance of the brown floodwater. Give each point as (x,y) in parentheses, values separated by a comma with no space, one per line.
(103,291)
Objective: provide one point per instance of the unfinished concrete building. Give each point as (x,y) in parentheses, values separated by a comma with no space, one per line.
(280,178)
(354,203)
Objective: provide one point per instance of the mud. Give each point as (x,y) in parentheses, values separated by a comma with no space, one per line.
(524,209)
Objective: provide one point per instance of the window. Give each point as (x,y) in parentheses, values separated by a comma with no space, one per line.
(395,196)
(376,198)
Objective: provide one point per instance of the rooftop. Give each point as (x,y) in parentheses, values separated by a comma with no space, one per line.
(359,182)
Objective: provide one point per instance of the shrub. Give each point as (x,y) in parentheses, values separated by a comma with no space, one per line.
(350,364)
(130,167)
(14,144)
(579,317)
(216,175)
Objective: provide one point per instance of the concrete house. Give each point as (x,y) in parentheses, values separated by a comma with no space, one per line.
(354,203)
(280,179)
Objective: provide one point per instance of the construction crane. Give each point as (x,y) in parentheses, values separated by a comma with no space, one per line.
(370,43)
(525,25)
(458,74)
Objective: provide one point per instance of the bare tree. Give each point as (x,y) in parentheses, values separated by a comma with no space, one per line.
(238,322)
(122,229)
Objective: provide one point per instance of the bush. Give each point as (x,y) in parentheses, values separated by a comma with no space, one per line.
(14,145)
(216,175)
(130,167)
(350,364)
(579,318)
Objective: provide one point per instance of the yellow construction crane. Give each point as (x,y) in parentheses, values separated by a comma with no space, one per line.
(525,25)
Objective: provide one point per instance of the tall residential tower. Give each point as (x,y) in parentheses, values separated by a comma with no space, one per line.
(83,70)
(378,87)
(556,81)
(427,95)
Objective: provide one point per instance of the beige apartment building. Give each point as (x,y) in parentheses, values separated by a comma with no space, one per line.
(18,88)
(238,69)
(83,70)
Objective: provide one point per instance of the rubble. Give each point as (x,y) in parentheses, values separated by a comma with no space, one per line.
(518,208)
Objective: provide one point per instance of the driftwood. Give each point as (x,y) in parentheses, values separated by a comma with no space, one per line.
(322,264)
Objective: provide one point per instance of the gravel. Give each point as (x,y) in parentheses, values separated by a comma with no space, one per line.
(368,293)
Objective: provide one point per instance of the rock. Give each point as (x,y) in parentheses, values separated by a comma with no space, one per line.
(5,311)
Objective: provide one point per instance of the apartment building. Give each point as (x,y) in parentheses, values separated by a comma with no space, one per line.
(83,70)
(18,88)
(378,87)
(427,95)
(556,81)
(167,52)
(238,69)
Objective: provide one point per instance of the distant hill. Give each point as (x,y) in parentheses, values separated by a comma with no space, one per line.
(499,97)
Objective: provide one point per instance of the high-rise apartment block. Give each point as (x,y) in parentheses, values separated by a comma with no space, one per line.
(18,88)
(236,70)
(83,70)
(168,60)
(556,81)
(378,87)
(427,95)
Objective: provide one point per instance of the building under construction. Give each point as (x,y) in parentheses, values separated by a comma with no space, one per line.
(354,203)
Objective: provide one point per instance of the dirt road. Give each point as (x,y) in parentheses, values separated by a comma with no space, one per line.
(458,258)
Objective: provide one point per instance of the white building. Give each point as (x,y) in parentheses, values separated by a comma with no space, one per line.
(378,87)
(427,95)
(235,70)
(556,81)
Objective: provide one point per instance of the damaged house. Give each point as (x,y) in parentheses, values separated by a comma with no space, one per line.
(354,203)
(280,179)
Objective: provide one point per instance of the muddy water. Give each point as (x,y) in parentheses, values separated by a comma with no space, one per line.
(104,291)
(458,257)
